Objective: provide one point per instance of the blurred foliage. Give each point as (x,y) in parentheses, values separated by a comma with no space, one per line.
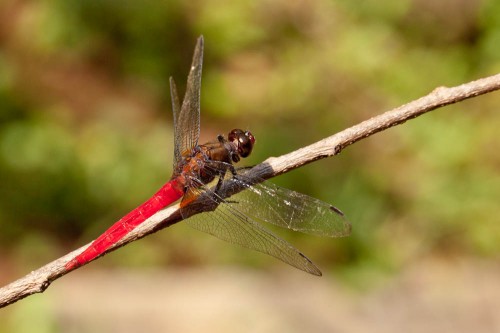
(85,125)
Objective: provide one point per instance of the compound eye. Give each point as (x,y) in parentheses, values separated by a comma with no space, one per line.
(243,140)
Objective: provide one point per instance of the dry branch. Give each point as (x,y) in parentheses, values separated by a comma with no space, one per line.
(39,280)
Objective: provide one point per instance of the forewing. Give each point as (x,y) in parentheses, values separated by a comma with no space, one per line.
(187,124)
(176,109)
(226,222)
(288,209)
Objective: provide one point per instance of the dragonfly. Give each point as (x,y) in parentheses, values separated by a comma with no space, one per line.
(234,205)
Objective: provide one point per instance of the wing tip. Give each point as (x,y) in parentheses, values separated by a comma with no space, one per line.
(336,210)
(309,267)
(198,51)
(347,226)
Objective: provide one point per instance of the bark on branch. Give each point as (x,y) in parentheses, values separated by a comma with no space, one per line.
(39,280)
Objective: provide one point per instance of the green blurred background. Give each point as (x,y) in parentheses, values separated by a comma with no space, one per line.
(86,125)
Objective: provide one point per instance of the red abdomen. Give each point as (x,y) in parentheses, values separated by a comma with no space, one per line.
(169,193)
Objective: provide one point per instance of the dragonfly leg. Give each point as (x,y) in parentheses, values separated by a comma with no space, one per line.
(219,182)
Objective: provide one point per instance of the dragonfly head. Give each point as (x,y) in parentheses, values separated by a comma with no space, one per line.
(243,141)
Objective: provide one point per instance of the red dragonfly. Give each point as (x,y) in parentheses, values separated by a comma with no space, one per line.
(204,176)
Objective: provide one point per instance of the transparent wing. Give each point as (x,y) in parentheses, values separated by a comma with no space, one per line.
(176,108)
(285,208)
(187,123)
(226,222)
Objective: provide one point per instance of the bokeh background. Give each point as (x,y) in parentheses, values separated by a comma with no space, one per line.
(86,135)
